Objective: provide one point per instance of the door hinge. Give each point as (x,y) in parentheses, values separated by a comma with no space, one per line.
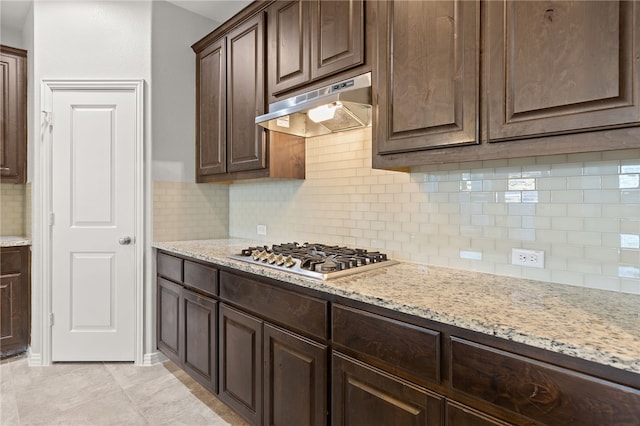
(52,219)
(51,319)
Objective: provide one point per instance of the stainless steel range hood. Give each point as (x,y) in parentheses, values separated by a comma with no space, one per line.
(335,108)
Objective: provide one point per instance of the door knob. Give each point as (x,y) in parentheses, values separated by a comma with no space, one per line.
(124,241)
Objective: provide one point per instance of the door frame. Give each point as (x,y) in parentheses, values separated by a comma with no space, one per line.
(43,204)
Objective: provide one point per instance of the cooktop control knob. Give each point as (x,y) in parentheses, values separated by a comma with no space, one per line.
(289,262)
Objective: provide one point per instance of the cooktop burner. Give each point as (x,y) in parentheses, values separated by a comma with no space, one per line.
(315,260)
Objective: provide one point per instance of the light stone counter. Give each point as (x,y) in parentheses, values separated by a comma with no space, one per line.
(13,241)
(596,325)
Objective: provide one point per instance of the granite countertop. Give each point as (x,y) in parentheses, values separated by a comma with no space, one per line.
(596,325)
(13,241)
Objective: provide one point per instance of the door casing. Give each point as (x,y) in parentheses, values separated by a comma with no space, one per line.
(44,202)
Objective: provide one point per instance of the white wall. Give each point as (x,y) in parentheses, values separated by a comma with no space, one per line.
(11,37)
(173,31)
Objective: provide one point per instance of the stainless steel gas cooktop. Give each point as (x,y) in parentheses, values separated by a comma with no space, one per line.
(314,260)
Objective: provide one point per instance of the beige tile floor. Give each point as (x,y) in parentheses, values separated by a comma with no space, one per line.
(106,394)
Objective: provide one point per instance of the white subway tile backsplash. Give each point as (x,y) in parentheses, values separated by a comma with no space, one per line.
(582,209)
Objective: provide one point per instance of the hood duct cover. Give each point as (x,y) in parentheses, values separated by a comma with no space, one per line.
(349,99)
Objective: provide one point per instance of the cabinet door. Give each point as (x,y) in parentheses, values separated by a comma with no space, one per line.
(562,67)
(169,319)
(459,415)
(13,315)
(337,36)
(13,115)
(240,366)
(288,50)
(295,379)
(427,75)
(362,395)
(199,331)
(246,141)
(15,300)
(211,139)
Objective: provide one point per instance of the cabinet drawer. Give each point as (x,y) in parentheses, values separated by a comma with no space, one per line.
(298,312)
(201,277)
(10,261)
(170,267)
(404,349)
(540,391)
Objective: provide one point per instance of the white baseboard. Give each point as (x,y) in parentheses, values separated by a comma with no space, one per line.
(153,358)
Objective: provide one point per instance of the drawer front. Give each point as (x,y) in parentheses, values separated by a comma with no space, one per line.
(10,260)
(404,349)
(170,267)
(297,312)
(540,391)
(201,277)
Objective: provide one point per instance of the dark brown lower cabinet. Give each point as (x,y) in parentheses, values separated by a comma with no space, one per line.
(15,300)
(280,356)
(363,395)
(295,379)
(241,363)
(199,357)
(459,415)
(188,332)
(169,319)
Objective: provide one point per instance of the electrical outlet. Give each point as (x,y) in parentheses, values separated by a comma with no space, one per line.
(261,229)
(524,257)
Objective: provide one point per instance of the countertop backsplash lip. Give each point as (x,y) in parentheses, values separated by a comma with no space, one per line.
(14,241)
(596,325)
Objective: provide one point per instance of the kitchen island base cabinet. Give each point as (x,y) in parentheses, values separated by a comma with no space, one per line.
(363,395)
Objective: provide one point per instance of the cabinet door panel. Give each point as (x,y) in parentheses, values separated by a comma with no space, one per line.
(337,40)
(241,363)
(403,349)
(245,74)
(13,315)
(539,391)
(288,55)
(199,315)
(295,379)
(459,415)
(427,75)
(562,67)
(13,115)
(169,319)
(362,395)
(211,143)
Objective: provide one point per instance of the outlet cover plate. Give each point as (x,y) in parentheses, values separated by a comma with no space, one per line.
(530,258)
(261,229)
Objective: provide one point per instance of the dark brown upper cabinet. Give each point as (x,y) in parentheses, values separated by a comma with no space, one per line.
(230,92)
(555,77)
(13,113)
(561,67)
(426,75)
(311,40)
(245,96)
(211,73)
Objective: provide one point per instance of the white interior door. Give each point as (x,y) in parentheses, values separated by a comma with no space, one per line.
(93,197)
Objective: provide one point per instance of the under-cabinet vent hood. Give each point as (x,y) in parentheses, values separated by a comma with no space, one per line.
(335,108)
